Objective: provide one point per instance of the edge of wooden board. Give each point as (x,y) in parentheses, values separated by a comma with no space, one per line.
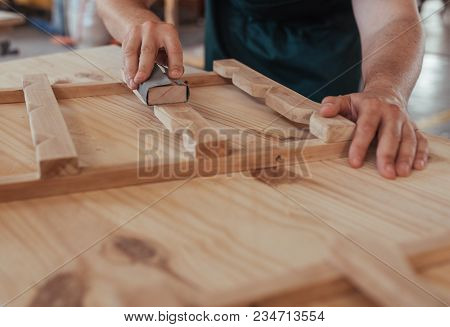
(97,178)
(92,89)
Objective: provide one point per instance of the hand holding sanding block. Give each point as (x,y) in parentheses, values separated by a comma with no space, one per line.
(159,89)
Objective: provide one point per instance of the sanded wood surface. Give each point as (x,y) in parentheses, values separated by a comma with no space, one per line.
(198,134)
(260,237)
(168,94)
(55,151)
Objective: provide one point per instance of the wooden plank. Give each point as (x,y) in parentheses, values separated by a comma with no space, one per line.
(55,151)
(425,253)
(199,137)
(93,89)
(331,130)
(249,158)
(381,272)
(288,103)
(204,79)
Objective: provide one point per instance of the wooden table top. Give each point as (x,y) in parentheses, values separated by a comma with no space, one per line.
(238,239)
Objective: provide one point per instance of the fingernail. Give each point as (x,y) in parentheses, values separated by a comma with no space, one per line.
(356,161)
(133,85)
(420,164)
(405,169)
(327,105)
(390,170)
(175,72)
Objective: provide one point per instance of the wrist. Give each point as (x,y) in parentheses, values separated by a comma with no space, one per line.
(387,90)
(141,18)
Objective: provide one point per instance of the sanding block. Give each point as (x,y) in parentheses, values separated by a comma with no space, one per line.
(159,89)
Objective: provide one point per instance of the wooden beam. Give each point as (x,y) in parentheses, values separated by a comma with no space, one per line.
(286,102)
(290,104)
(199,137)
(204,79)
(381,272)
(331,130)
(55,151)
(30,186)
(92,89)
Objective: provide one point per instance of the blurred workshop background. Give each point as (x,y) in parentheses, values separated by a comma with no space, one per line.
(38,27)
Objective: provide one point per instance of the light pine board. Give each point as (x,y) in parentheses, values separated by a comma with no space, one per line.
(237,241)
(235,233)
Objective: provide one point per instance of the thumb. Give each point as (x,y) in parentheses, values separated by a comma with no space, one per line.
(332,106)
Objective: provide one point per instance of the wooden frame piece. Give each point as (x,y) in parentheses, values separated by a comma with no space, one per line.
(339,275)
(94,89)
(382,272)
(55,151)
(220,156)
(286,102)
(199,137)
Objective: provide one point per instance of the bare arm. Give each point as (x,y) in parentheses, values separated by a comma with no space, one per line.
(392,44)
(143,36)
(392,47)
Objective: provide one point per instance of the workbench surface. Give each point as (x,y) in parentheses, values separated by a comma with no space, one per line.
(238,239)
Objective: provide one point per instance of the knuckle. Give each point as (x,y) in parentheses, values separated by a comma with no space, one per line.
(371,103)
(366,128)
(147,49)
(148,25)
(328,99)
(168,27)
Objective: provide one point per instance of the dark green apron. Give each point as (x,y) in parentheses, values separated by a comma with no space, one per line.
(307,45)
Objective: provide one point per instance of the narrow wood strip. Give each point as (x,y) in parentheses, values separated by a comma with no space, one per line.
(204,79)
(55,151)
(286,102)
(425,253)
(94,89)
(83,90)
(197,133)
(97,178)
(329,130)
(381,272)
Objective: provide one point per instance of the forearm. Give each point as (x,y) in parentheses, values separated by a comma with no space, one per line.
(120,16)
(392,57)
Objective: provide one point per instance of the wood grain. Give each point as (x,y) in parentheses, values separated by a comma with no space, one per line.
(330,130)
(245,238)
(92,89)
(286,102)
(55,151)
(199,136)
(381,272)
(291,105)
(169,94)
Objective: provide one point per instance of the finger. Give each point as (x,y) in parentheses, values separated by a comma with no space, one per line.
(147,58)
(366,129)
(421,158)
(388,144)
(332,106)
(130,55)
(406,152)
(174,52)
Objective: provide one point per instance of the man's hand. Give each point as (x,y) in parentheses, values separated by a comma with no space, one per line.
(147,43)
(380,113)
